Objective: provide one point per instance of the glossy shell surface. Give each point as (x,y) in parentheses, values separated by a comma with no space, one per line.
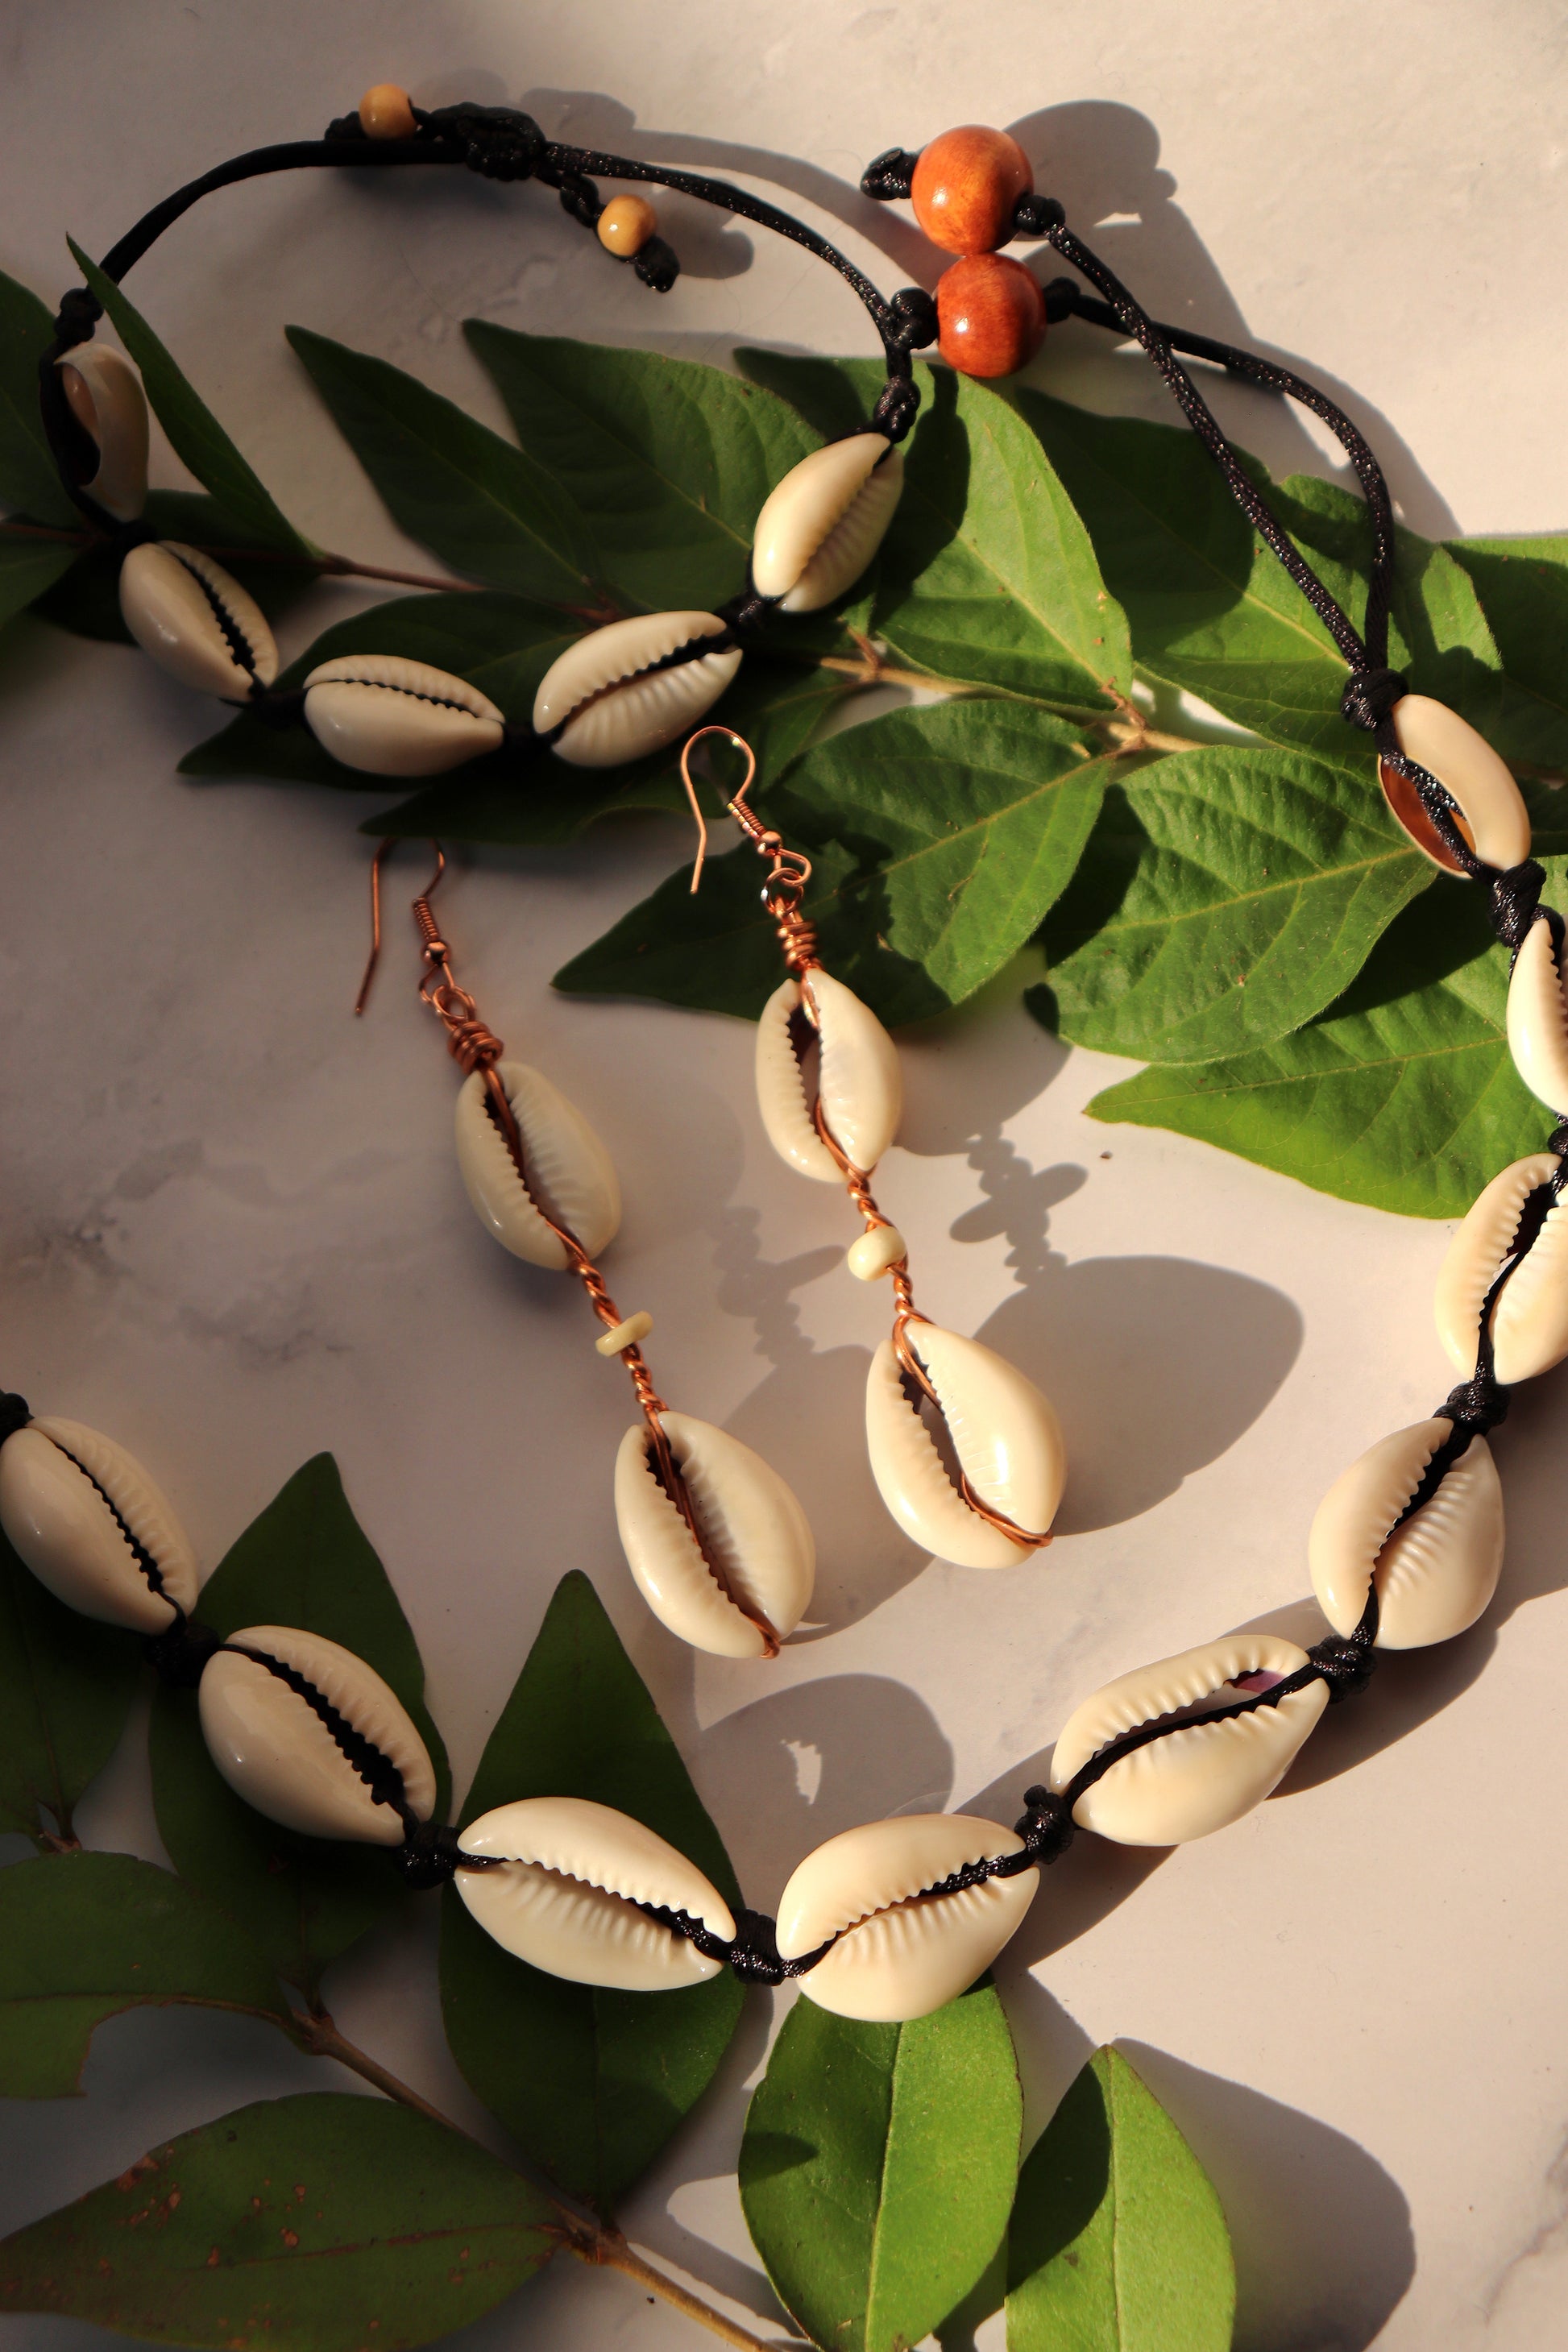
(1436,1572)
(105,396)
(389,717)
(1491,812)
(1201,1775)
(195,621)
(900,1950)
(275,1751)
(859,1081)
(820,528)
(1529,1318)
(754,1530)
(1538,1019)
(570,1174)
(77,1507)
(566,1900)
(611,700)
(1005,1434)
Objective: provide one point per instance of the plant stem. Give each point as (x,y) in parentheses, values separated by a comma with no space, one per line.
(591,2241)
(334,567)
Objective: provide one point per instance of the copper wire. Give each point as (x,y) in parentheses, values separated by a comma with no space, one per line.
(788,871)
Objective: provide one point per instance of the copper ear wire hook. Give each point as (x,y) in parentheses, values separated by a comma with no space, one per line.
(789,870)
(422,914)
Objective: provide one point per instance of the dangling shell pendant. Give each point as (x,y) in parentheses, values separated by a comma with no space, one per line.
(390,717)
(898,1948)
(571,1177)
(1530,1318)
(1488,811)
(105,396)
(195,621)
(740,1590)
(1004,1435)
(822,525)
(617,694)
(1437,1569)
(859,1085)
(574,1891)
(84,1516)
(1537,1018)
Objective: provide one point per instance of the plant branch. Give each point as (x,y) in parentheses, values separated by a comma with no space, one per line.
(333,567)
(591,2242)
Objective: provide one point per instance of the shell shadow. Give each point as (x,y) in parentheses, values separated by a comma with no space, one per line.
(1091,1881)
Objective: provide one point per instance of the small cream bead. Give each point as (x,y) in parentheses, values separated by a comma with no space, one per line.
(626,1335)
(626,226)
(386,112)
(876,1252)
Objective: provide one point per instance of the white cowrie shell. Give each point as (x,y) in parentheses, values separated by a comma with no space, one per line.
(570,1174)
(1436,1572)
(1491,813)
(196,621)
(1202,1775)
(390,717)
(1529,1319)
(275,1751)
(567,1900)
(1006,1434)
(107,400)
(821,526)
(859,1081)
(753,1531)
(77,1507)
(900,1951)
(1538,1019)
(612,702)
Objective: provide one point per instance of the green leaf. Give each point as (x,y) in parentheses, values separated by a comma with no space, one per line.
(193,431)
(304,1562)
(1224,898)
(66,1687)
(84,1935)
(590,2083)
(319,2223)
(939,838)
(879,2165)
(1211,608)
(1403,1095)
(1118,2242)
(29,482)
(669,461)
(479,504)
(498,642)
(28,568)
(1523,587)
(987,574)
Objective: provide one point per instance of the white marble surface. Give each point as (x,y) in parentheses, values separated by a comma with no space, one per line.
(232,1230)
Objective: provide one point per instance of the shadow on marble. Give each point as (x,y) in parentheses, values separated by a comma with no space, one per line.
(1094,1878)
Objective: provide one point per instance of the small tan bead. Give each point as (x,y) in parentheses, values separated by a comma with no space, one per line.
(386,112)
(876,1252)
(626,226)
(626,1335)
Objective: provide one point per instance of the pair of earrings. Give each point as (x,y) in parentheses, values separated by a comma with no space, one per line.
(966,1453)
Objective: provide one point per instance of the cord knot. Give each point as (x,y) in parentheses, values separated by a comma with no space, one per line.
(889,177)
(1370,694)
(78,315)
(1037,216)
(1047,1825)
(1478,1404)
(1345,1663)
(178,1655)
(1061,299)
(755,1953)
(897,408)
(658,265)
(580,198)
(498,142)
(14,1414)
(430,1854)
(1515,896)
(914,320)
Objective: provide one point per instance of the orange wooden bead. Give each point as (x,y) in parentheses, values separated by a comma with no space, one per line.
(965,186)
(991,315)
(626,226)
(386,112)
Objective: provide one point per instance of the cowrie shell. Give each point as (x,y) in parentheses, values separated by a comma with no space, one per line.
(1005,1434)
(390,717)
(570,1174)
(1489,811)
(1538,1019)
(1201,1775)
(1436,1572)
(753,1531)
(859,1084)
(900,1950)
(612,702)
(567,1900)
(106,398)
(821,526)
(196,621)
(275,1750)
(1529,1318)
(87,1519)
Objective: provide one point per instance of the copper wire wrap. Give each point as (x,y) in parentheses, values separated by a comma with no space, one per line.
(475,1046)
(788,874)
